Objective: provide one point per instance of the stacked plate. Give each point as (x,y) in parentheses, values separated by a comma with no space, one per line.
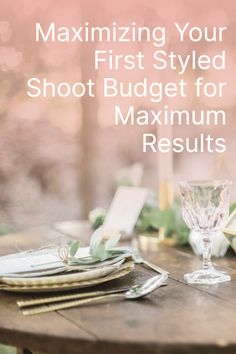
(67,277)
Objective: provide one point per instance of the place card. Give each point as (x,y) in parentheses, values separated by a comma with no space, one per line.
(125,208)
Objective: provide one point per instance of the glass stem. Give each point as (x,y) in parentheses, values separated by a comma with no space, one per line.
(206,251)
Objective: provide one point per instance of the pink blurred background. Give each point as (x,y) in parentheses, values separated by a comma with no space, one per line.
(61,157)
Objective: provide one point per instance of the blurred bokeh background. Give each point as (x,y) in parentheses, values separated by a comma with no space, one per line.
(59,158)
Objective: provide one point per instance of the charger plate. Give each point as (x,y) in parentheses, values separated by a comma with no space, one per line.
(119,272)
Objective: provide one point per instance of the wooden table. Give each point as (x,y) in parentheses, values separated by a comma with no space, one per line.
(175,319)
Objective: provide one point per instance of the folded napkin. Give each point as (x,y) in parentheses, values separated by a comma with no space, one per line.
(30,262)
(47,261)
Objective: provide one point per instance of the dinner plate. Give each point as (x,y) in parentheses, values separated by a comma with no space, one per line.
(66,269)
(119,272)
(59,279)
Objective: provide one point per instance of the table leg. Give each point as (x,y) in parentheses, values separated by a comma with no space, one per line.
(26,351)
(23,351)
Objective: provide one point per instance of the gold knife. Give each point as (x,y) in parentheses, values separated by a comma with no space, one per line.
(67,304)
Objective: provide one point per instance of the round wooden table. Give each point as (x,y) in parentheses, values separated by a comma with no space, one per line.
(175,319)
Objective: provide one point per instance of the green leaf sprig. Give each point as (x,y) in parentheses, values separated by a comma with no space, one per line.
(152,219)
(102,247)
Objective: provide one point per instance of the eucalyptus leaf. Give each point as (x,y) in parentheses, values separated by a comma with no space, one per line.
(97,245)
(74,248)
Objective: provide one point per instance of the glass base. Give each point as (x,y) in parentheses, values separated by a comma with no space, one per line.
(207,276)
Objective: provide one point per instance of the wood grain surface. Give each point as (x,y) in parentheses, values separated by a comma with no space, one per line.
(178,318)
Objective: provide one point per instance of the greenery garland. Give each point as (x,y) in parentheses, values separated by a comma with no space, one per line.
(152,219)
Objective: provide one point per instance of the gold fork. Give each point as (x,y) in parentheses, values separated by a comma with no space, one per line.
(59,298)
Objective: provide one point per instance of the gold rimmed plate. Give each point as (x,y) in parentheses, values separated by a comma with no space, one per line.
(59,279)
(123,270)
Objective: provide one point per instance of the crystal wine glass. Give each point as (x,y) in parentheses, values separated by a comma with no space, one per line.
(205,209)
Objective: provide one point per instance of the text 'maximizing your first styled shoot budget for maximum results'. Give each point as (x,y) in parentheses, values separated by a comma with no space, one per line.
(158,91)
